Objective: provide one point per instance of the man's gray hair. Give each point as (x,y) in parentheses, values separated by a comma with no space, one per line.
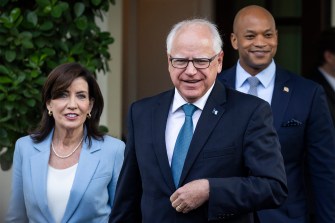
(216,38)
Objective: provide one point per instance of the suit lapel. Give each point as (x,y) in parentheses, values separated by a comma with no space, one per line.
(159,118)
(281,94)
(86,168)
(209,118)
(325,84)
(39,172)
(229,77)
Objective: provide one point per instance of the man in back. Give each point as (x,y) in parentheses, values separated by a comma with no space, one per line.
(301,117)
(325,72)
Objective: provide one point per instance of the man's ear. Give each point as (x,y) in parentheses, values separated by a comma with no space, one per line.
(168,58)
(220,60)
(233,40)
(329,57)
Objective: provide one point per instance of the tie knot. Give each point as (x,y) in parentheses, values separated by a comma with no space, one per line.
(189,109)
(253,81)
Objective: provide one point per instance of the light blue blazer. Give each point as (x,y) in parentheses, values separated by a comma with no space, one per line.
(92,193)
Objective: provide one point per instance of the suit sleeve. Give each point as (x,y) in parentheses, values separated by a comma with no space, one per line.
(265,184)
(320,143)
(17,209)
(127,203)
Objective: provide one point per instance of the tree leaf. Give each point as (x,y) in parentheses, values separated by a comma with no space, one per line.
(47,25)
(31,102)
(79,8)
(10,55)
(5,80)
(14,15)
(96,2)
(57,11)
(27,43)
(43,3)
(81,23)
(32,18)
(3,70)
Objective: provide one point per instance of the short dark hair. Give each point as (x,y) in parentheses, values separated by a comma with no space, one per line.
(59,79)
(326,43)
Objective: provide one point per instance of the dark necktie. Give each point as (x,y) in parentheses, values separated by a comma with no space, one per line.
(182,143)
(253,82)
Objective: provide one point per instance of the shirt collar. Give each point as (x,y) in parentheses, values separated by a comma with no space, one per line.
(265,76)
(179,101)
(330,79)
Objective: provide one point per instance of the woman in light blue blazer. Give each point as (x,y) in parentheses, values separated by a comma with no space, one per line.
(66,170)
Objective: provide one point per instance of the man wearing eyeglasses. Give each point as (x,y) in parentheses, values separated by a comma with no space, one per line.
(200,152)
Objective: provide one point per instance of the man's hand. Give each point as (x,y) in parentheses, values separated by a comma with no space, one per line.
(190,196)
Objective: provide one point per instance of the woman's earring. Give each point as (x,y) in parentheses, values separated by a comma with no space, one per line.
(89,115)
(49,112)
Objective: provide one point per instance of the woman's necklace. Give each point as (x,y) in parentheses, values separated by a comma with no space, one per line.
(66,156)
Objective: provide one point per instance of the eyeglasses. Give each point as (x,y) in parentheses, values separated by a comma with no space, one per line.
(199,63)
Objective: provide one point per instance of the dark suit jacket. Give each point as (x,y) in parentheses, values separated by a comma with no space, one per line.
(319,78)
(303,123)
(237,150)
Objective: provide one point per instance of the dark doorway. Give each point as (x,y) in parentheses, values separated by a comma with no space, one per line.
(299,24)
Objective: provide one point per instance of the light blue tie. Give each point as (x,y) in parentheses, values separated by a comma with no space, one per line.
(253,82)
(182,143)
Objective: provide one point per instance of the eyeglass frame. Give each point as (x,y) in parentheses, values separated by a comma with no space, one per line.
(209,60)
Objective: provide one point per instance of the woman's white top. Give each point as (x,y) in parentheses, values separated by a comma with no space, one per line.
(59,184)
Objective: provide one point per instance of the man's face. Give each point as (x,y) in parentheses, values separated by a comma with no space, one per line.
(255,38)
(194,42)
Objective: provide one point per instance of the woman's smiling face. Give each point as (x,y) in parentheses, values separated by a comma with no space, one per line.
(70,107)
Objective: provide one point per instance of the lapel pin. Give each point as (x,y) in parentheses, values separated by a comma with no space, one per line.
(286,89)
(215,112)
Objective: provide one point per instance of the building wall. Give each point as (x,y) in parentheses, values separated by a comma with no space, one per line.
(146,25)
(111,83)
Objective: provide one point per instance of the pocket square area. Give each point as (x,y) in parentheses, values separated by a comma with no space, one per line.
(292,122)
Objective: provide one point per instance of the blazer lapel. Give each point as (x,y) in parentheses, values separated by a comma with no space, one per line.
(209,118)
(86,167)
(159,118)
(281,94)
(39,172)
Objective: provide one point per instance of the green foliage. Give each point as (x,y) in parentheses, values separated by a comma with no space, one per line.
(35,37)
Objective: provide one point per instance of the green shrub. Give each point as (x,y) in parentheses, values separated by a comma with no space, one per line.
(35,37)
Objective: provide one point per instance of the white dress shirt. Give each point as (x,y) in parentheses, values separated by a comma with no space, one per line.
(176,119)
(330,79)
(59,184)
(266,78)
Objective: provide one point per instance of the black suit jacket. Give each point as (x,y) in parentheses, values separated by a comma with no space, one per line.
(235,148)
(319,78)
(305,130)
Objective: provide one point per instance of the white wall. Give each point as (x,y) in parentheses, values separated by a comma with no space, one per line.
(111,83)
(5,191)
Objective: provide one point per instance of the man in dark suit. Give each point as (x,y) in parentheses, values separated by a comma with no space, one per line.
(233,166)
(301,118)
(325,74)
